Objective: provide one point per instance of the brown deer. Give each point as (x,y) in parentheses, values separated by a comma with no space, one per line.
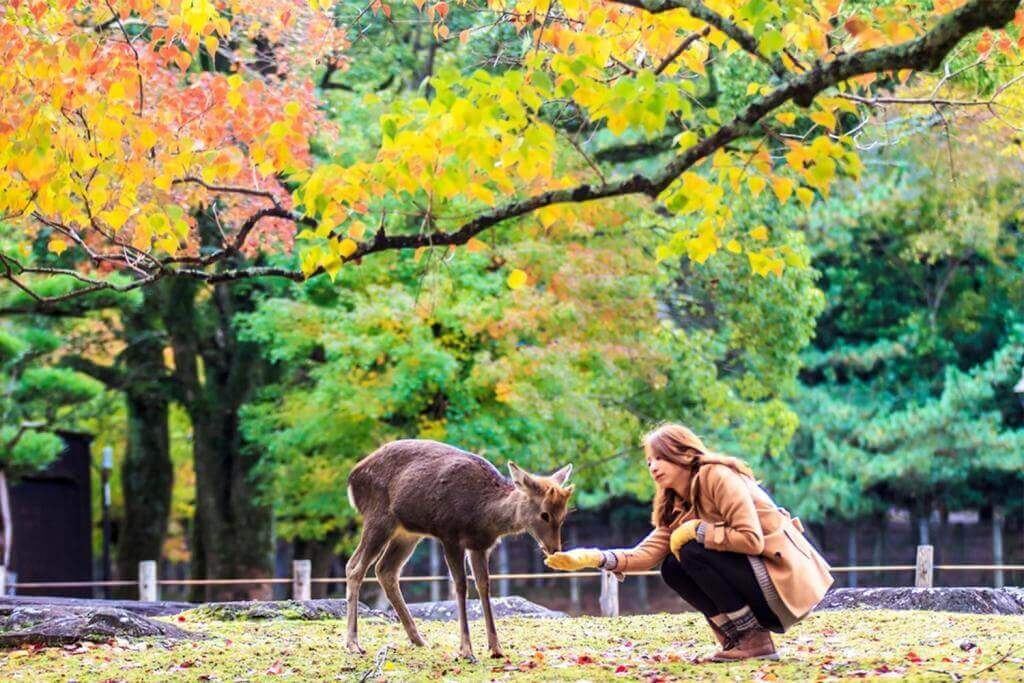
(409,489)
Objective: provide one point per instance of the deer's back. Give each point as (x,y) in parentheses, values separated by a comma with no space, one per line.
(430,488)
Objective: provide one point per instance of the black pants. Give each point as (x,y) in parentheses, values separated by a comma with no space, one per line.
(715,582)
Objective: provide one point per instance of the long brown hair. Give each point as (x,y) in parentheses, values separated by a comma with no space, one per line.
(680,446)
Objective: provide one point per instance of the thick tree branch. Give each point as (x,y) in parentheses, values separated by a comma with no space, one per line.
(699,10)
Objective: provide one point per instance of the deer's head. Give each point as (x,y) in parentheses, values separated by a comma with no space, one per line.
(543,506)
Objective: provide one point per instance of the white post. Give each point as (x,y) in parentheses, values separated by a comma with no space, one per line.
(609,595)
(147,581)
(851,552)
(3,580)
(925,572)
(435,569)
(503,568)
(574,583)
(301,586)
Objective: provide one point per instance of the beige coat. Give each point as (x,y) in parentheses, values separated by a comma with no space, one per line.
(740,517)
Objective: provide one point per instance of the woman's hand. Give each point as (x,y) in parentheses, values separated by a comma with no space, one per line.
(572,560)
(686,532)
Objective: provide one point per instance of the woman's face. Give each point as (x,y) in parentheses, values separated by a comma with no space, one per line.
(662,471)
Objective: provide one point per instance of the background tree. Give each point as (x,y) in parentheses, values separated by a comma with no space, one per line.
(34,399)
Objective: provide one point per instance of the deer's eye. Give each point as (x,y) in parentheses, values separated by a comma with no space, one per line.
(545,516)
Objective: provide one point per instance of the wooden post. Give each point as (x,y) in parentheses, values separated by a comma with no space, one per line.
(302,588)
(147,581)
(609,595)
(925,572)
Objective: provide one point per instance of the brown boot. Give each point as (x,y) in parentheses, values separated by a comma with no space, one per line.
(719,635)
(753,644)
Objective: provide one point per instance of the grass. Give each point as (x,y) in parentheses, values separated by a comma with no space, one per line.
(661,647)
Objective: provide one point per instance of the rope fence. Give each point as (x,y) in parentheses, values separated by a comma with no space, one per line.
(148,583)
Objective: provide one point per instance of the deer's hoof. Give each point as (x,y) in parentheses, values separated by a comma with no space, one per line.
(418,641)
(354,648)
(496,653)
(468,656)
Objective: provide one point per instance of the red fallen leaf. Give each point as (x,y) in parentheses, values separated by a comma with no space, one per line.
(276,669)
(621,669)
(912,657)
(884,669)
(584,659)
(181,617)
(947,660)
(187,664)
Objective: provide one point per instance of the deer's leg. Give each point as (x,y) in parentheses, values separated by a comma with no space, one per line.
(388,569)
(375,536)
(455,556)
(482,578)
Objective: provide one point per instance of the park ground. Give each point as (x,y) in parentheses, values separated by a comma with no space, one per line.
(840,645)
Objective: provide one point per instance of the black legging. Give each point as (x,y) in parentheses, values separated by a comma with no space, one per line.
(716,582)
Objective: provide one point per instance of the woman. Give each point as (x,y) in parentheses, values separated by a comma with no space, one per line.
(723,545)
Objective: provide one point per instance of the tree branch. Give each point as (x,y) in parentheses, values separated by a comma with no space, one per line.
(699,10)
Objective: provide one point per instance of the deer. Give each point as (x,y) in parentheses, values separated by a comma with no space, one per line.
(410,489)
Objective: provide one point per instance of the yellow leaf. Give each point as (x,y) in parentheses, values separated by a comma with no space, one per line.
(805,195)
(662,252)
(734,246)
(516,279)
(760,233)
(57,246)
(824,118)
(347,247)
(786,118)
(116,91)
(474,245)
(783,188)
(756,184)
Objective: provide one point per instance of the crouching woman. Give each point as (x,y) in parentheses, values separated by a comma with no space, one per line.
(723,545)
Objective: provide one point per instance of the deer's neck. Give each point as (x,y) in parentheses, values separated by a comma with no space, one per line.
(506,513)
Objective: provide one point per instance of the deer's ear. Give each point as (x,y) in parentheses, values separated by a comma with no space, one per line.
(562,475)
(521,477)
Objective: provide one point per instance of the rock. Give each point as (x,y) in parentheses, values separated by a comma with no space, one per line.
(966,600)
(967,645)
(512,606)
(64,624)
(304,610)
(147,609)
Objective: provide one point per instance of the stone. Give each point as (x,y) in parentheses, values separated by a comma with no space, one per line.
(299,610)
(512,606)
(965,600)
(66,624)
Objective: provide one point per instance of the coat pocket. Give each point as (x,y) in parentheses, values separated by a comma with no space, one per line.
(799,544)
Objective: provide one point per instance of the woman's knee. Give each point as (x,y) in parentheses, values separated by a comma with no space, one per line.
(671,570)
(692,552)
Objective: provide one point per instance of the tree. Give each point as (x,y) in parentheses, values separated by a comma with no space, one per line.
(906,396)
(35,397)
(115,135)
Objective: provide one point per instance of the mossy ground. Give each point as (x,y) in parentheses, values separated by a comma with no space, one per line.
(828,645)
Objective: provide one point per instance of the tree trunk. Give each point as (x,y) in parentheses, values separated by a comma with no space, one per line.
(216,374)
(147,476)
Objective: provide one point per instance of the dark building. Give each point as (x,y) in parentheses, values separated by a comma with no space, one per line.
(52,513)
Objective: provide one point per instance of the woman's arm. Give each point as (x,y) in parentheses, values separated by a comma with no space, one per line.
(740,532)
(645,555)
